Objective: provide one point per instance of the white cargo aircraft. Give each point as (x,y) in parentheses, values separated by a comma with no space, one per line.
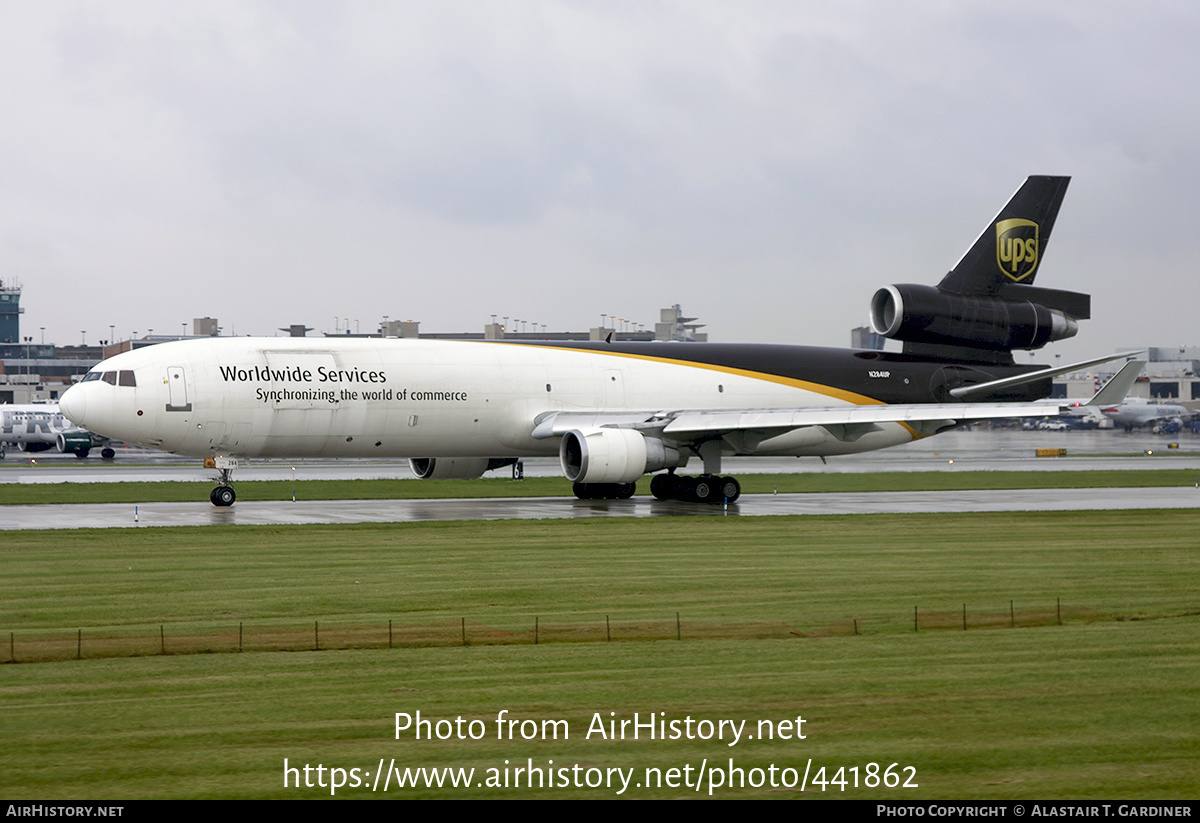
(612,411)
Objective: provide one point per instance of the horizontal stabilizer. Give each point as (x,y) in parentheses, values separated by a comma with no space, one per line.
(1072,303)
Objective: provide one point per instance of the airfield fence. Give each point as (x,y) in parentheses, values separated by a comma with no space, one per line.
(32,645)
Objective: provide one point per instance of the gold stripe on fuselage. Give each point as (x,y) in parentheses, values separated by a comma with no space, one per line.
(816,388)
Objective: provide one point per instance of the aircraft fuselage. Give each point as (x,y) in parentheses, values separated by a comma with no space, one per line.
(285,397)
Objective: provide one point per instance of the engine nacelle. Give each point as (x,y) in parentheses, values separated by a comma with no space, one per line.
(34,446)
(456,468)
(613,455)
(74,443)
(924,314)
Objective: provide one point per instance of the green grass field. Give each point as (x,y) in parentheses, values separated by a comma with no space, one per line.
(1103,706)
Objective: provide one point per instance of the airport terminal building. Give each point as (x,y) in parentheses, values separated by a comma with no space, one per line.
(1170,375)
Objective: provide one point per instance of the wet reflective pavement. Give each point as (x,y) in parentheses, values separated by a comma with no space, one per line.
(1002,450)
(126,515)
(1006,450)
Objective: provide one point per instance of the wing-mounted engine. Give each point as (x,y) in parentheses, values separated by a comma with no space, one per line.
(74,442)
(456,468)
(611,455)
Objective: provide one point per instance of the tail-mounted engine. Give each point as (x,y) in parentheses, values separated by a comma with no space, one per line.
(1018,317)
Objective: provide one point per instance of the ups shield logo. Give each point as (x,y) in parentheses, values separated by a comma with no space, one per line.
(1017,248)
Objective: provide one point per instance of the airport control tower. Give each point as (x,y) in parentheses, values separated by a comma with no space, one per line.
(10,311)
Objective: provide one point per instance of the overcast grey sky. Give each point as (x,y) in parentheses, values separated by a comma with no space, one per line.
(766,164)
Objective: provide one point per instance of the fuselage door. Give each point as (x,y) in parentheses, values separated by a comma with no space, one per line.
(177,399)
(614,389)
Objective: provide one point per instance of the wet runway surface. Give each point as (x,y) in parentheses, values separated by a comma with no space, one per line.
(1004,450)
(954,451)
(126,515)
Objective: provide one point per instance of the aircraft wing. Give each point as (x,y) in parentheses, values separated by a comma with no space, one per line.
(976,389)
(844,422)
(746,428)
(847,423)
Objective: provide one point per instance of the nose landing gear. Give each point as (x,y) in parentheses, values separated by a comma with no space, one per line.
(223,495)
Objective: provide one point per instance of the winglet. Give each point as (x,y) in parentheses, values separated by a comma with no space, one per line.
(1114,390)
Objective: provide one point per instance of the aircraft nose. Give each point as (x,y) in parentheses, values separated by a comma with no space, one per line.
(73,405)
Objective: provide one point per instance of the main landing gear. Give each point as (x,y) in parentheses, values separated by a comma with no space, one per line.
(223,495)
(703,489)
(706,488)
(709,487)
(604,491)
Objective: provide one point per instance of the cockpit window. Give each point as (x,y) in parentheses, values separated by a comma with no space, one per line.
(125,378)
(90,376)
(110,377)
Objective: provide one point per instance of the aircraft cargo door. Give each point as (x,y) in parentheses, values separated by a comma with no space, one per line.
(614,389)
(177,397)
(301,400)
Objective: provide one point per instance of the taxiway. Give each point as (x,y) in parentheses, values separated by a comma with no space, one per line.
(954,451)
(117,515)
